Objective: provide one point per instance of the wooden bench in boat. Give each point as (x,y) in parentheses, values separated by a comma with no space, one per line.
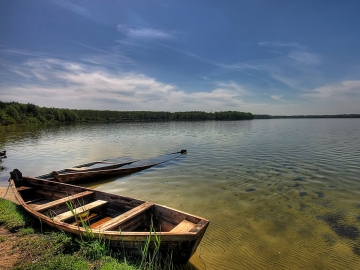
(62,200)
(79,210)
(183,226)
(117,221)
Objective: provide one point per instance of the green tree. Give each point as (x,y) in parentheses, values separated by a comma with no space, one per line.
(11,110)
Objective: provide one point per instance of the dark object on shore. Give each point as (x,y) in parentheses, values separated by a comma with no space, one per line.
(2,153)
(107,168)
(124,222)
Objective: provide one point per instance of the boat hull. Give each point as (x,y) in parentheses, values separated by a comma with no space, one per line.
(82,173)
(122,221)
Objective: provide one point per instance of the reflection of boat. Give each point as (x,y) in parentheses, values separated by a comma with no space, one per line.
(104,169)
(2,153)
(122,222)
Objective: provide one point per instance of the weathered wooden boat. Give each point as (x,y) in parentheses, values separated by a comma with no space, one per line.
(105,169)
(122,221)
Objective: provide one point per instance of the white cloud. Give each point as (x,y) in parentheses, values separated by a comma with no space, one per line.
(143,32)
(65,84)
(344,88)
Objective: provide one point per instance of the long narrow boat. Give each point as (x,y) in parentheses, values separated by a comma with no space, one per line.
(122,221)
(105,169)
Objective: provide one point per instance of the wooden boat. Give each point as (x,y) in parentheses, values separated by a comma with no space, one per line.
(105,169)
(122,221)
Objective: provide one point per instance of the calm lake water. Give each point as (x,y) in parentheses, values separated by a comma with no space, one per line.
(279,194)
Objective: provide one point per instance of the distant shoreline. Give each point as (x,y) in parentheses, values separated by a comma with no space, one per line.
(266,116)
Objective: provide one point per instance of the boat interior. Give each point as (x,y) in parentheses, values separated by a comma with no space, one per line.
(102,211)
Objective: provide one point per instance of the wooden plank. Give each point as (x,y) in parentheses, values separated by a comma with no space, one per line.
(183,226)
(79,210)
(100,222)
(78,169)
(62,200)
(34,200)
(23,188)
(117,221)
(84,219)
(203,223)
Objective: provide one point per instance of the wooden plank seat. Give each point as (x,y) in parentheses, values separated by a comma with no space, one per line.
(79,210)
(62,200)
(117,221)
(183,226)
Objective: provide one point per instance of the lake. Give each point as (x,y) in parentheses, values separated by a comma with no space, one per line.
(279,193)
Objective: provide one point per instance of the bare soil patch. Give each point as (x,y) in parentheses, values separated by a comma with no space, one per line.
(9,254)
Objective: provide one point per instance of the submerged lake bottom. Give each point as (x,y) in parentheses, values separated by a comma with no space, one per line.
(279,194)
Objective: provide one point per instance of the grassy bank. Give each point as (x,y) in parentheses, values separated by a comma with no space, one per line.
(27,244)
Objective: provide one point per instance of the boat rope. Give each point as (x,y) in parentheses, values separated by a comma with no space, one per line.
(7,189)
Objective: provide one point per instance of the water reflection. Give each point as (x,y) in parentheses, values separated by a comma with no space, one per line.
(280,194)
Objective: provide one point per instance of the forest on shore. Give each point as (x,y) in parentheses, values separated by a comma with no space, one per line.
(17,113)
(12,113)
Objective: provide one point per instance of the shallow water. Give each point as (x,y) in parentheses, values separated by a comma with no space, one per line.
(279,194)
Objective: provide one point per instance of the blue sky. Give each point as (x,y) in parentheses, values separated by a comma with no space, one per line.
(265,57)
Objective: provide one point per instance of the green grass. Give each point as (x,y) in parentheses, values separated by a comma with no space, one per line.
(42,247)
(110,263)
(12,216)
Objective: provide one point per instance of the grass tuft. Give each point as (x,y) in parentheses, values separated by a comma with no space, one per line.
(25,231)
(93,249)
(153,259)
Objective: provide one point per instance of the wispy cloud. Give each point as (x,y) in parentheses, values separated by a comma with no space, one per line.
(70,5)
(280,44)
(143,32)
(305,57)
(231,88)
(277,97)
(22,52)
(289,81)
(344,88)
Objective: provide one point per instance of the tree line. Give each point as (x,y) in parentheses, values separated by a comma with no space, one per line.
(18,113)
